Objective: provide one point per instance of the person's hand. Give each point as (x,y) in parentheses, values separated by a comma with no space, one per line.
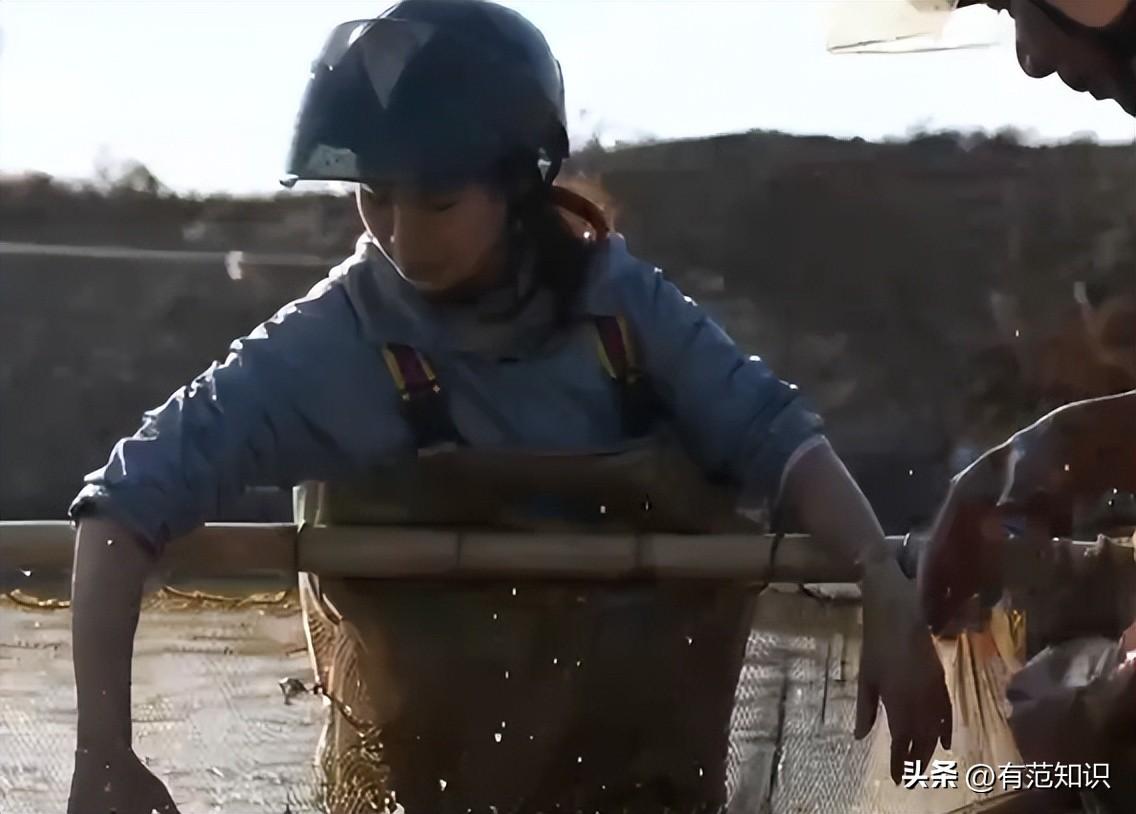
(1027,486)
(958,552)
(900,667)
(1074,702)
(114,779)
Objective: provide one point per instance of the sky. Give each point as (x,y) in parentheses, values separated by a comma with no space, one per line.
(205,92)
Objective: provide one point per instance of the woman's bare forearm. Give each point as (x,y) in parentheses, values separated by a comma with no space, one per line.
(830,506)
(110,571)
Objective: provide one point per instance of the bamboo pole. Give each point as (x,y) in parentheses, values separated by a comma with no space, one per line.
(276,552)
(272,554)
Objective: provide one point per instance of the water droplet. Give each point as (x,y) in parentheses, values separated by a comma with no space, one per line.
(110,542)
(531,737)
(514,592)
(910,473)
(1066,467)
(689,640)
(700,772)
(579,758)
(442,784)
(26,573)
(497,736)
(577,662)
(603,509)
(1017,333)
(556,661)
(503,725)
(494,617)
(506,675)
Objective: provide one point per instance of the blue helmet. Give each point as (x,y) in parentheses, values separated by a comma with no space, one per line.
(434,92)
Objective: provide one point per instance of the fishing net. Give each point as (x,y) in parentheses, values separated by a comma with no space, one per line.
(211,717)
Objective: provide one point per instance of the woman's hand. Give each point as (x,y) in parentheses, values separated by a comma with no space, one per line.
(114,779)
(1030,484)
(899,666)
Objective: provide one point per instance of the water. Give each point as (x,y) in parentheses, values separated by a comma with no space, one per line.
(208,711)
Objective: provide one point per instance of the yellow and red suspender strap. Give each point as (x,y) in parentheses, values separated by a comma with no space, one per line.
(412,373)
(423,404)
(616,349)
(428,414)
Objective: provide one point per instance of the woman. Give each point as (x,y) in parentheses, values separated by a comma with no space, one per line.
(483,302)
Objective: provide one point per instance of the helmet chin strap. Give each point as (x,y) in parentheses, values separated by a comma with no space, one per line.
(419,285)
(424,288)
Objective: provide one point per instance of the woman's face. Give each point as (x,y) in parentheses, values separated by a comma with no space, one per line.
(442,241)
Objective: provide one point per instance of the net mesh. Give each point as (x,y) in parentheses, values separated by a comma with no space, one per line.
(211,719)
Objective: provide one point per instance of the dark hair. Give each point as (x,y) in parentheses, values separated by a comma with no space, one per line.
(560,227)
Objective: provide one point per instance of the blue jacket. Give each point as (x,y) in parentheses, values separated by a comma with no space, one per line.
(306,395)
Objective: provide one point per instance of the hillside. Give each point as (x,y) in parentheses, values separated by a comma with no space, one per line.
(921,292)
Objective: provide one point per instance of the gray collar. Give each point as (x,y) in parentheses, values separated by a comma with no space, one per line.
(390,310)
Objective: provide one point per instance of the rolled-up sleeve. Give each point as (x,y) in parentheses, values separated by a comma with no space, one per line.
(740,419)
(239,423)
